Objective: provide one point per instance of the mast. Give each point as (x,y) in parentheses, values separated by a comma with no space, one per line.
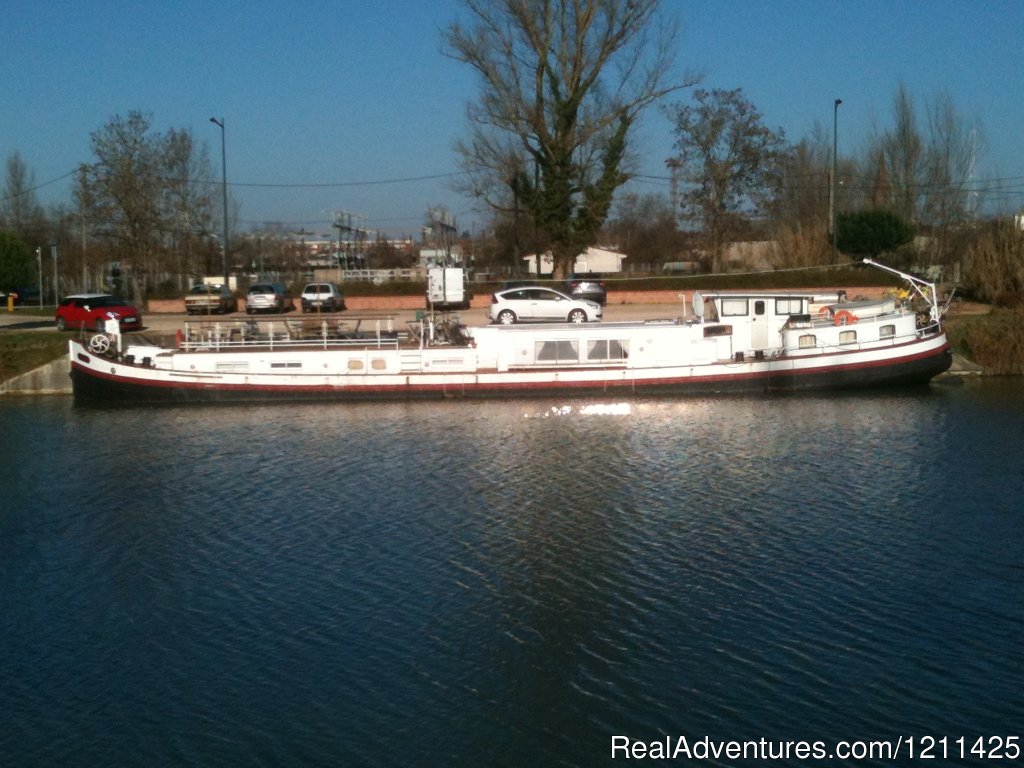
(918,284)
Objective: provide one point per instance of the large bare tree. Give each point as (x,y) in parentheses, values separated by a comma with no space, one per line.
(20,211)
(730,161)
(562,84)
(142,189)
(926,173)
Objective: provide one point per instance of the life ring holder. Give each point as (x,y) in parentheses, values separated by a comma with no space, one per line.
(824,312)
(844,317)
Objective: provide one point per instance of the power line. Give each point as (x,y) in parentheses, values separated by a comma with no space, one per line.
(38,186)
(329,185)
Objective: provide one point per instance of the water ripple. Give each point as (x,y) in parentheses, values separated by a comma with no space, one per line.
(506,583)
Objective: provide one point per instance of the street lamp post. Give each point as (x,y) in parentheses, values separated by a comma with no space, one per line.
(224,190)
(39,263)
(832,179)
(53,254)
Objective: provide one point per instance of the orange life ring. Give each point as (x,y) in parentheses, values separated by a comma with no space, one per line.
(844,317)
(824,312)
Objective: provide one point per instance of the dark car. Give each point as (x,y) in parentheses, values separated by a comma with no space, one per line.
(92,310)
(21,296)
(587,285)
(518,283)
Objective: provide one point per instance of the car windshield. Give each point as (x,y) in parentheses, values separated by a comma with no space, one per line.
(262,289)
(202,289)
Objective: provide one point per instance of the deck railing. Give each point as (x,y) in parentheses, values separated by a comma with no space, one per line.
(368,331)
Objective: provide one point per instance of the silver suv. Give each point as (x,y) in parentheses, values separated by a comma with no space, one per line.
(322,297)
(267,296)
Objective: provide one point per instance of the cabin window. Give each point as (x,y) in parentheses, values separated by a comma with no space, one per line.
(847,337)
(759,307)
(557,351)
(734,307)
(379,364)
(887,331)
(788,307)
(808,341)
(286,364)
(232,366)
(607,349)
(355,365)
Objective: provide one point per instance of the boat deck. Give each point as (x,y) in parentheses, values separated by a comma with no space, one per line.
(319,331)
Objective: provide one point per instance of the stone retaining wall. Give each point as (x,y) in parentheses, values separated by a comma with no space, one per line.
(50,379)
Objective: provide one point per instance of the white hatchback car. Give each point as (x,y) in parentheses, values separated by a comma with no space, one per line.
(537,304)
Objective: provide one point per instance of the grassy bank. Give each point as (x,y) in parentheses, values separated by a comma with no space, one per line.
(21,351)
(995,340)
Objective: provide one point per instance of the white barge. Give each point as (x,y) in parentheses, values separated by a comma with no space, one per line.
(742,341)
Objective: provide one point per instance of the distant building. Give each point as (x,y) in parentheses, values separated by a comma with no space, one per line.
(441,256)
(591,260)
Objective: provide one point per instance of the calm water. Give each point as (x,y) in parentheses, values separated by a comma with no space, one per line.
(509,583)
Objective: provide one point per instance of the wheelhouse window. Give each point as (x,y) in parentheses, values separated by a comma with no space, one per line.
(557,351)
(601,350)
(788,307)
(735,307)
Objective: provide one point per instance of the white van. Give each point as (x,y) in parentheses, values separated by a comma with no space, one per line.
(322,297)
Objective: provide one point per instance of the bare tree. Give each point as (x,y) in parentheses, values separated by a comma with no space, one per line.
(563,82)
(187,202)
(124,188)
(902,150)
(20,212)
(800,211)
(950,162)
(925,175)
(143,188)
(730,160)
(644,227)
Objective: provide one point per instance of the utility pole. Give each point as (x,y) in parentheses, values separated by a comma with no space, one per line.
(673,164)
(224,190)
(832,179)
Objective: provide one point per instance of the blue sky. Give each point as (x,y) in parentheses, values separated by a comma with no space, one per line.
(356,96)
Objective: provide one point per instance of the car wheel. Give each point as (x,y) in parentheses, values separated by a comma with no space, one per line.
(577,316)
(507,317)
(61,324)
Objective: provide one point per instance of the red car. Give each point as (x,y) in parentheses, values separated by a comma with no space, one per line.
(91,310)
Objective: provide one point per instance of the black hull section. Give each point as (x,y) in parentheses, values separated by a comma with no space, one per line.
(913,371)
